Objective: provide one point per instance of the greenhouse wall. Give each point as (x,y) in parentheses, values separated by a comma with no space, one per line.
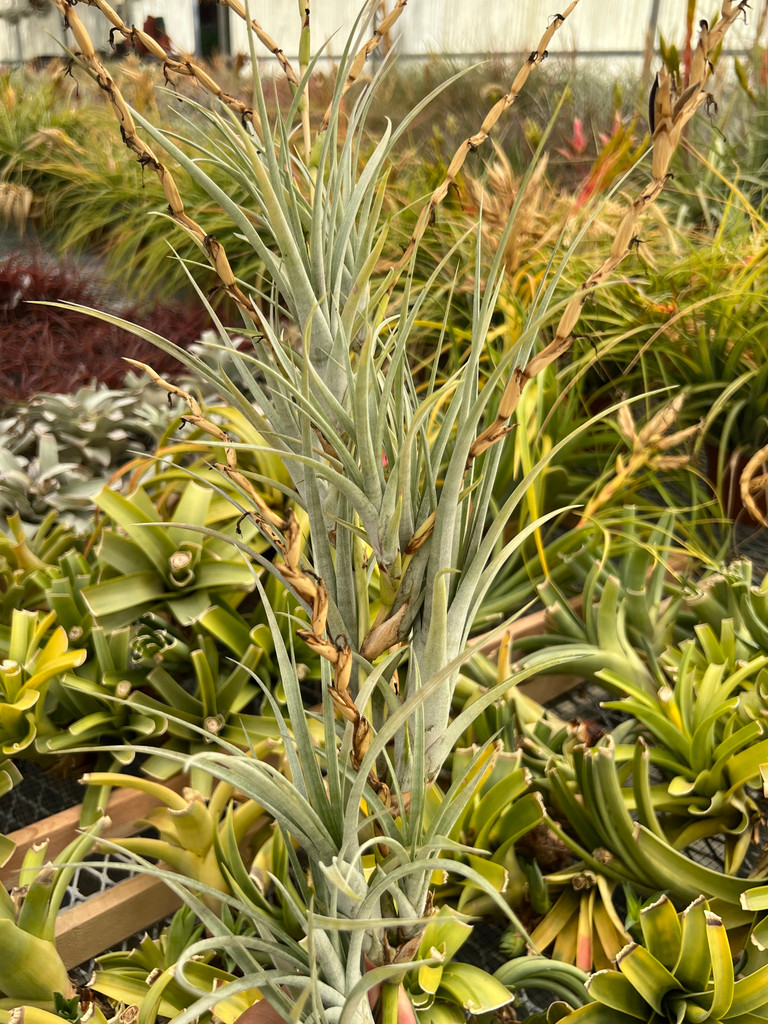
(449,27)
(25,36)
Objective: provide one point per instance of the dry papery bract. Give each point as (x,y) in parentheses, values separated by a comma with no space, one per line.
(541,210)
(656,447)
(15,205)
(753,484)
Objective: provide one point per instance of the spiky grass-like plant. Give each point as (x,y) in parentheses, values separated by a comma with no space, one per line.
(396,479)
(400,552)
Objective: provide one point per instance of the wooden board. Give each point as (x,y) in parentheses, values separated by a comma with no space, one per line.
(540,688)
(106,919)
(125,808)
(543,689)
(127,908)
(529,625)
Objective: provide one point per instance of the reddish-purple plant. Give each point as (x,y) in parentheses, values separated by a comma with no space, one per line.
(45,348)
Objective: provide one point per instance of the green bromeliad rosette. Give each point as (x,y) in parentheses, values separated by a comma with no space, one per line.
(32,972)
(35,652)
(682,971)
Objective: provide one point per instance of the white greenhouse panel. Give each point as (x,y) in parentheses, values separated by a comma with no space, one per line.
(330,22)
(672,22)
(454,26)
(425,26)
(38,36)
(41,35)
(491,26)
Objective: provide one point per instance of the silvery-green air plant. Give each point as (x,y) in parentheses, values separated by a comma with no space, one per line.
(394,477)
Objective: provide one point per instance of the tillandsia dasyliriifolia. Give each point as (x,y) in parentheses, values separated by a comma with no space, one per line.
(394,621)
(312,591)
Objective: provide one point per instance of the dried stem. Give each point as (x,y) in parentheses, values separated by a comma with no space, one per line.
(668,115)
(336,650)
(171,65)
(471,144)
(267,517)
(382,30)
(307,586)
(265,39)
(144,154)
(754,480)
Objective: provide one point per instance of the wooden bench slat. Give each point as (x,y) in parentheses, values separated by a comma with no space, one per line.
(125,808)
(108,918)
